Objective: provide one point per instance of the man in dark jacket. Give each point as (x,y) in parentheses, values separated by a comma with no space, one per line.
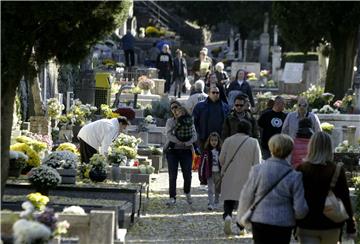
(209,115)
(128,46)
(239,112)
(180,72)
(164,64)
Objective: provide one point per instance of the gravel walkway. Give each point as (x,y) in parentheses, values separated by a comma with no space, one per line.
(182,223)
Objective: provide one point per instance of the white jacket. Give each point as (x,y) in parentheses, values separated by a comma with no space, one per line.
(193,100)
(100,134)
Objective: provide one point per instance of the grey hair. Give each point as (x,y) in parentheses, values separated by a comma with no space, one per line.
(219,67)
(199,85)
(320,149)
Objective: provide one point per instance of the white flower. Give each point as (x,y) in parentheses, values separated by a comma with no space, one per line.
(28,209)
(29,231)
(74,210)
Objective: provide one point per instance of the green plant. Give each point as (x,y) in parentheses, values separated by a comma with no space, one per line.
(161,109)
(315,98)
(44,177)
(61,159)
(155,150)
(129,152)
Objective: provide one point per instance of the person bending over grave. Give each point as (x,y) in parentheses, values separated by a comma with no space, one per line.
(97,136)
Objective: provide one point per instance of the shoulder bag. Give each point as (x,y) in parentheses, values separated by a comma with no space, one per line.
(245,219)
(334,208)
(227,166)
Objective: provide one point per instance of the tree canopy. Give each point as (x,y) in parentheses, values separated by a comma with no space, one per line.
(307,24)
(34,32)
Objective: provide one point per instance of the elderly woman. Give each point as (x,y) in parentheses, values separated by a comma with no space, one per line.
(238,154)
(291,123)
(277,190)
(318,170)
(198,96)
(180,153)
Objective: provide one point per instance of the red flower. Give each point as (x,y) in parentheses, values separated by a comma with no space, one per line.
(127,112)
(136,163)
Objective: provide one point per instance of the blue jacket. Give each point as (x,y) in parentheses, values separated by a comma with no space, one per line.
(201,118)
(245,88)
(285,203)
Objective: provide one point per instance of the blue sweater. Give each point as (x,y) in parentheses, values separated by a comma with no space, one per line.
(285,203)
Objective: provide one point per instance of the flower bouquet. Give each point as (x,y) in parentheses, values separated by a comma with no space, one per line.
(61,159)
(54,108)
(107,112)
(251,76)
(97,171)
(144,83)
(327,127)
(67,146)
(37,146)
(126,140)
(43,178)
(81,113)
(327,109)
(41,138)
(117,156)
(38,224)
(33,157)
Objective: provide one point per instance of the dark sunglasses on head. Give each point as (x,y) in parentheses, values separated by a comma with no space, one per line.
(302,104)
(239,105)
(215,92)
(174,107)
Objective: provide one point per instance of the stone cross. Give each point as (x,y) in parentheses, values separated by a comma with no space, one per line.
(264,43)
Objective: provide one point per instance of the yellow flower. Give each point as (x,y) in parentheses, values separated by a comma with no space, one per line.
(38,200)
(34,159)
(327,126)
(67,146)
(38,146)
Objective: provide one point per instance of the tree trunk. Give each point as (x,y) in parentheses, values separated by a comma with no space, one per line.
(341,62)
(8,90)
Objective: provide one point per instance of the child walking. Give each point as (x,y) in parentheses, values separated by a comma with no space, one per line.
(209,170)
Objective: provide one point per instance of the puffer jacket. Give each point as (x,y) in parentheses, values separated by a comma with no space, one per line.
(299,151)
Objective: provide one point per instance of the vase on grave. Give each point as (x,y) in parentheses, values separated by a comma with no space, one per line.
(146,92)
(115,172)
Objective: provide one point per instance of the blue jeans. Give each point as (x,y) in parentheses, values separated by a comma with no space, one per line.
(174,157)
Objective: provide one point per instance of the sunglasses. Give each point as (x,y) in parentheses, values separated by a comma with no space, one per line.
(239,105)
(174,107)
(215,92)
(302,105)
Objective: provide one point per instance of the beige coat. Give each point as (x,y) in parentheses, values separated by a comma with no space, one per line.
(237,173)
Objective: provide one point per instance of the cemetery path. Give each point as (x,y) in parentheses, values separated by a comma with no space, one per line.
(182,223)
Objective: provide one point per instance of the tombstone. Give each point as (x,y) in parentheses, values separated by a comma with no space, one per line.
(276,56)
(247,66)
(264,43)
(357,92)
(292,78)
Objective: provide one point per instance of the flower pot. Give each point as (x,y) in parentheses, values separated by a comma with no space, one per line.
(68,176)
(115,172)
(14,168)
(145,92)
(97,174)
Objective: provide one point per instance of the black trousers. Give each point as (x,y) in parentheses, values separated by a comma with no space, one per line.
(229,207)
(166,75)
(269,234)
(129,54)
(86,151)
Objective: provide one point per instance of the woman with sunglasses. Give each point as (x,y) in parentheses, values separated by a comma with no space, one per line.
(291,123)
(179,153)
(240,111)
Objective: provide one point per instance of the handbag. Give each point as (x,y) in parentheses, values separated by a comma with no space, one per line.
(227,166)
(334,208)
(245,219)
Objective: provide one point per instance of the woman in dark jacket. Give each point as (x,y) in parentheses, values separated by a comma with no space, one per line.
(317,171)
(240,84)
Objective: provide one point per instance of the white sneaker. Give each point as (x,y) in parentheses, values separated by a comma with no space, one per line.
(188,198)
(227,225)
(171,202)
(210,207)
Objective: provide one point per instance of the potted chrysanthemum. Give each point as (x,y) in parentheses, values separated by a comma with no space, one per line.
(43,178)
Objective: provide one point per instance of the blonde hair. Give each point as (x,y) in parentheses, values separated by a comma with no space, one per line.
(281,145)
(320,150)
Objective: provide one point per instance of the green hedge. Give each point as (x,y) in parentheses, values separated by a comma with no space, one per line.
(298,57)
